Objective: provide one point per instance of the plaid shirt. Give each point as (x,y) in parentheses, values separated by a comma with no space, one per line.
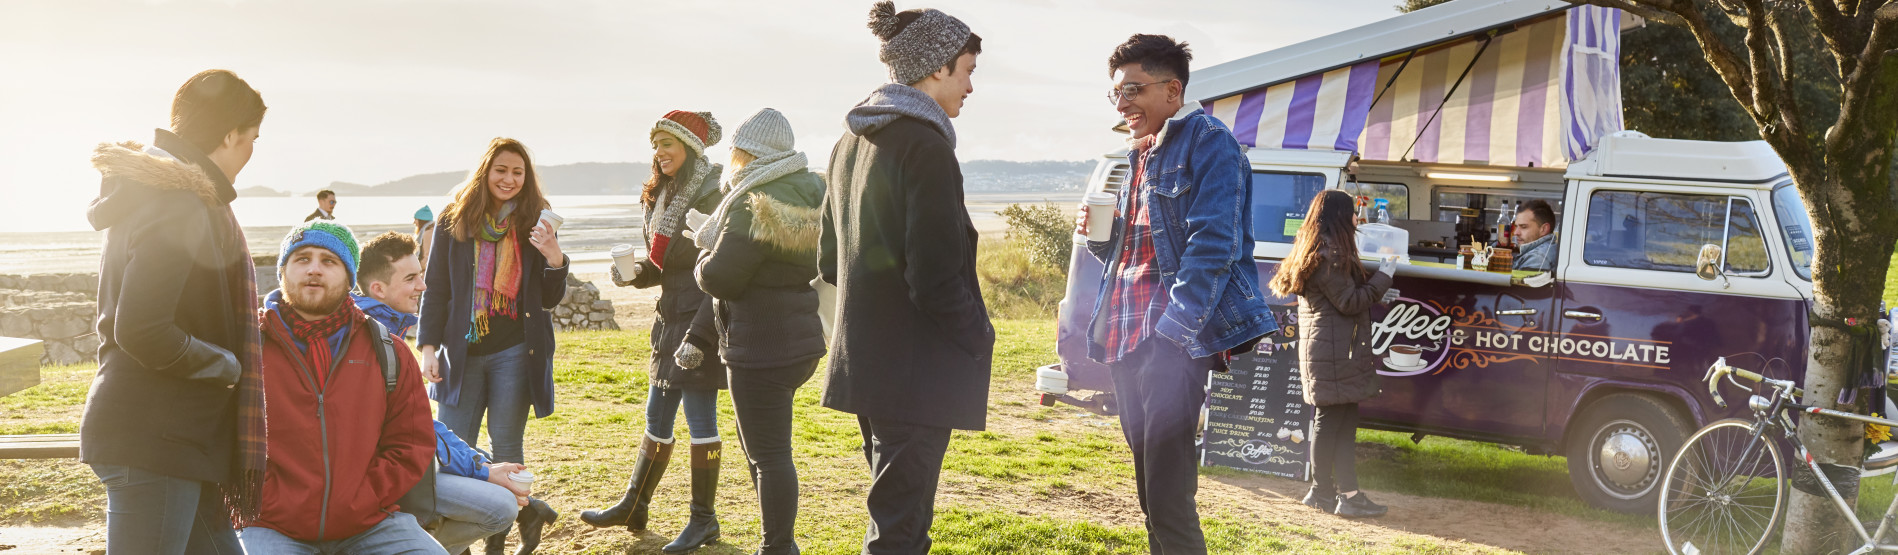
(1136,298)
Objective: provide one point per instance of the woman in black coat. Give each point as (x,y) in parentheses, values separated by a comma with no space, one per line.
(1335,295)
(760,258)
(685,364)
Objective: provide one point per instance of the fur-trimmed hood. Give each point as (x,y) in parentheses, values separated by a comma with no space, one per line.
(157,169)
(784,225)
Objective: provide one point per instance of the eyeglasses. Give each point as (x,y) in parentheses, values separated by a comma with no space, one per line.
(1130,90)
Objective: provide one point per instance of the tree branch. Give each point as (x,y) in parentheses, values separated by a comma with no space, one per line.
(1842,36)
(1647,9)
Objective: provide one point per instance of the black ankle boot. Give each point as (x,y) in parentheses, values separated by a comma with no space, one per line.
(497,543)
(534,516)
(1359,506)
(631,509)
(1321,498)
(703,528)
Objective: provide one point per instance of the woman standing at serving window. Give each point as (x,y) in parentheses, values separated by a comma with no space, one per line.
(1335,295)
(486,339)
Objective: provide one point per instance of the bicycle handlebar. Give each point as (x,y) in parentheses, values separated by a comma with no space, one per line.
(1720,370)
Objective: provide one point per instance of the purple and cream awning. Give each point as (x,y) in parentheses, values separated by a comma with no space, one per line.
(1539,95)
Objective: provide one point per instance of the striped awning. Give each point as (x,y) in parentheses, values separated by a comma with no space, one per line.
(1539,95)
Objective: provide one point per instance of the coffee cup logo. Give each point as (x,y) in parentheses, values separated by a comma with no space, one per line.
(1410,338)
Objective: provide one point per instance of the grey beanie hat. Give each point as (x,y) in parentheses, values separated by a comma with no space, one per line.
(927,44)
(765,134)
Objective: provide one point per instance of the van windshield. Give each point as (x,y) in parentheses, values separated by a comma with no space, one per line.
(1279,201)
(1795,227)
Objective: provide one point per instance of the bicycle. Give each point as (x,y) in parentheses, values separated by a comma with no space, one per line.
(1725,492)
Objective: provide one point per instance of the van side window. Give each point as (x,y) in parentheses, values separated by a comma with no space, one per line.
(1397,194)
(1664,231)
(1279,201)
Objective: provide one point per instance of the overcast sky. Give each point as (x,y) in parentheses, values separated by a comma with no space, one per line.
(367,92)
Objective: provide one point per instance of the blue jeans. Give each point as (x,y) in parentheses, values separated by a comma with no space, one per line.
(701,412)
(471,509)
(495,385)
(153,513)
(396,535)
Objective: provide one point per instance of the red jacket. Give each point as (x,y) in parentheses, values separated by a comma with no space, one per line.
(339,458)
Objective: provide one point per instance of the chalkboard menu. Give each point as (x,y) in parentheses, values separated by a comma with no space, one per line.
(1256,418)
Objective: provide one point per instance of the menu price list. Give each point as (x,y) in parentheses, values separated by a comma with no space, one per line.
(1257,419)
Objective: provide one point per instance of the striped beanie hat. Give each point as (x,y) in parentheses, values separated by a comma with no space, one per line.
(697,129)
(321,233)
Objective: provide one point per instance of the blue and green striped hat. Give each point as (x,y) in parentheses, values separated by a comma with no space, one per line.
(321,233)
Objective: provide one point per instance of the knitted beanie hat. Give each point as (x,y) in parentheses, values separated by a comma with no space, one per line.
(426,214)
(697,129)
(321,233)
(926,45)
(765,134)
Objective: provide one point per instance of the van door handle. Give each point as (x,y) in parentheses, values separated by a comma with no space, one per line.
(1579,315)
(1517,312)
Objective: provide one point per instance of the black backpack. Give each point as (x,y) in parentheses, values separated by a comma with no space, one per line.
(420,500)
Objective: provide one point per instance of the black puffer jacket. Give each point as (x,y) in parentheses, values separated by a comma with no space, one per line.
(164,283)
(684,312)
(1334,318)
(760,275)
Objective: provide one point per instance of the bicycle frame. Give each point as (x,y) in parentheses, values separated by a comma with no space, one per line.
(1774,413)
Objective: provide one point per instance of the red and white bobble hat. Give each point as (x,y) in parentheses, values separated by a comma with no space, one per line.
(697,129)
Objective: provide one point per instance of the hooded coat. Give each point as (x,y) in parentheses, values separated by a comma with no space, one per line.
(760,273)
(913,340)
(163,281)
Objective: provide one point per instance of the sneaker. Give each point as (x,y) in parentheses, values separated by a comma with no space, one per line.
(1322,500)
(1359,506)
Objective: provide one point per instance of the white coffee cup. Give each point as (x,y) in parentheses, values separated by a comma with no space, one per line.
(626,258)
(523,477)
(553,220)
(1406,355)
(1100,215)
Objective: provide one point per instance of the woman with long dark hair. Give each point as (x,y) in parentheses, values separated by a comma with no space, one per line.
(686,368)
(1335,295)
(486,339)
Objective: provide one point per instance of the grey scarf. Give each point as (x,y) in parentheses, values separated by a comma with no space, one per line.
(892,101)
(758,172)
(677,203)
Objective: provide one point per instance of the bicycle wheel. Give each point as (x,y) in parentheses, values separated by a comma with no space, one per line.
(1724,493)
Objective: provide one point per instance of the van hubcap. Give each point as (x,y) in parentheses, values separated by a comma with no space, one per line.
(1626,461)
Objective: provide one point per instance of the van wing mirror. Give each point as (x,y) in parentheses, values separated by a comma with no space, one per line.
(1708,265)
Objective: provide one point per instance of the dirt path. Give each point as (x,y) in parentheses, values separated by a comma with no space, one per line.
(25,540)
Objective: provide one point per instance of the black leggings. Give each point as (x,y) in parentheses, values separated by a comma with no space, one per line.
(763,400)
(1334,438)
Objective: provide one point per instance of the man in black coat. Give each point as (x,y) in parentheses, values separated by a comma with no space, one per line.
(178,330)
(912,347)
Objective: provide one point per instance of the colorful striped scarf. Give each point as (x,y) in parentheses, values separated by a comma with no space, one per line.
(497,276)
(243,495)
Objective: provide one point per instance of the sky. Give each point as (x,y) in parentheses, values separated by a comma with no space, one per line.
(372,91)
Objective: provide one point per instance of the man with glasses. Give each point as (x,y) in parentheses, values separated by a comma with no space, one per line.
(1171,309)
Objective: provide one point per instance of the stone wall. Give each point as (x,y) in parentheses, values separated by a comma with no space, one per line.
(583,309)
(57,309)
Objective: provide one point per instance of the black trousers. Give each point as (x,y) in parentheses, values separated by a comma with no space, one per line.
(763,400)
(1334,441)
(1159,389)
(905,465)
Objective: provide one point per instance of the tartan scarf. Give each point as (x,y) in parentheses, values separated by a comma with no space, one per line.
(497,272)
(315,335)
(243,496)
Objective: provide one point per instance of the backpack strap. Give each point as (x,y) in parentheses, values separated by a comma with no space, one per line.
(385,355)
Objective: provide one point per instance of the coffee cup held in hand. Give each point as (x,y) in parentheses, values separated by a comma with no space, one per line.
(524,478)
(553,220)
(626,259)
(1100,215)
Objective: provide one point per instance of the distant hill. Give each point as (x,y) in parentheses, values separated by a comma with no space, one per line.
(624,178)
(261,191)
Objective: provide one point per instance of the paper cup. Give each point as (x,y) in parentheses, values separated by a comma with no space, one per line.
(626,258)
(553,220)
(525,478)
(1100,215)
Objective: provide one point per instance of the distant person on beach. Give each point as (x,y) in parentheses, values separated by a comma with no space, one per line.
(486,337)
(173,425)
(425,232)
(1172,309)
(686,366)
(473,495)
(913,342)
(760,255)
(343,445)
(325,206)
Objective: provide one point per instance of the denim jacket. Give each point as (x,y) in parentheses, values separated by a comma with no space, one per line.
(1198,184)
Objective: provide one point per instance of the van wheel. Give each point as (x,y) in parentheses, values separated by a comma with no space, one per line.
(1619,448)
